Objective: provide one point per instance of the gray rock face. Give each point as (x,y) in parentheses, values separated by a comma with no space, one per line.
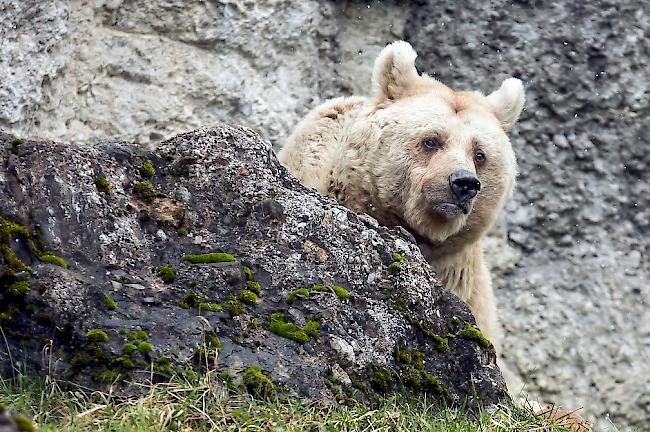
(143,70)
(366,321)
(570,253)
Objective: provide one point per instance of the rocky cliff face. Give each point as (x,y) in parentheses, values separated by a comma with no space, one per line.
(117,263)
(570,252)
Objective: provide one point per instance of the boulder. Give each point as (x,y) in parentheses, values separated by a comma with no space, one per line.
(205,252)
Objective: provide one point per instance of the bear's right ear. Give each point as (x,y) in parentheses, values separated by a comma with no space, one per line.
(394,71)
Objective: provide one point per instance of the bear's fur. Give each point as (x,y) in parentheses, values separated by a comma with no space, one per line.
(392,155)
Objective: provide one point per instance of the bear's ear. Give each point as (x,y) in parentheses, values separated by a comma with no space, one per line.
(394,71)
(507,102)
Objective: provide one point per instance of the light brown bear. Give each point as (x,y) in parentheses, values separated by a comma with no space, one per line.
(421,155)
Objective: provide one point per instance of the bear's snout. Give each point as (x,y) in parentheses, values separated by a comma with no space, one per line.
(464,185)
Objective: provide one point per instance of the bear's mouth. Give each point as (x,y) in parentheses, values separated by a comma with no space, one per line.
(450,210)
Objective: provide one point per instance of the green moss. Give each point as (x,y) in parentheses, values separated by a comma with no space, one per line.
(442,344)
(311,329)
(103,185)
(147,170)
(399,258)
(110,304)
(162,365)
(258,384)
(138,335)
(254,287)
(146,191)
(340,292)
(96,335)
(396,265)
(183,231)
(23,424)
(190,300)
(248,273)
(233,306)
(381,380)
(18,289)
(166,273)
(473,333)
(279,326)
(212,307)
(319,288)
(12,264)
(400,305)
(209,258)
(418,360)
(144,347)
(402,356)
(431,384)
(248,297)
(9,229)
(8,316)
(213,341)
(125,362)
(53,259)
(293,295)
(253,323)
(129,348)
(107,376)
(411,377)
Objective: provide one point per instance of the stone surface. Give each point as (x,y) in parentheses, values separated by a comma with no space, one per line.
(218,190)
(570,253)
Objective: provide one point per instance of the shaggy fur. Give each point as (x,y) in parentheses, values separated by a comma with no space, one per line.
(368,153)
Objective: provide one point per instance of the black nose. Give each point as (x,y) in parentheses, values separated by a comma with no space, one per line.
(464,185)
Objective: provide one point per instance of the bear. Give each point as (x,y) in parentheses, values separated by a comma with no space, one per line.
(422,156)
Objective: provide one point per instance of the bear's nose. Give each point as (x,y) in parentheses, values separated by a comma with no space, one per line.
(464,185)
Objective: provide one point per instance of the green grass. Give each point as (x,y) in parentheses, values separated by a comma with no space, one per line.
(206,404)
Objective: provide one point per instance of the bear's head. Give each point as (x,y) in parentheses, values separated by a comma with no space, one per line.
(442,161)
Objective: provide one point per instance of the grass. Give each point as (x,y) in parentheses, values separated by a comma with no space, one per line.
(206,404)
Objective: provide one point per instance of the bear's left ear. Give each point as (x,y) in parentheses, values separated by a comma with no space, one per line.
(507,102)
(394,71)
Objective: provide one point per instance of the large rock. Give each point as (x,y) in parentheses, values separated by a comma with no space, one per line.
(94,234)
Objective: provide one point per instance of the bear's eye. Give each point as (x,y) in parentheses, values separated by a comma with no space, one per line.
(479,157)
(432,143)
